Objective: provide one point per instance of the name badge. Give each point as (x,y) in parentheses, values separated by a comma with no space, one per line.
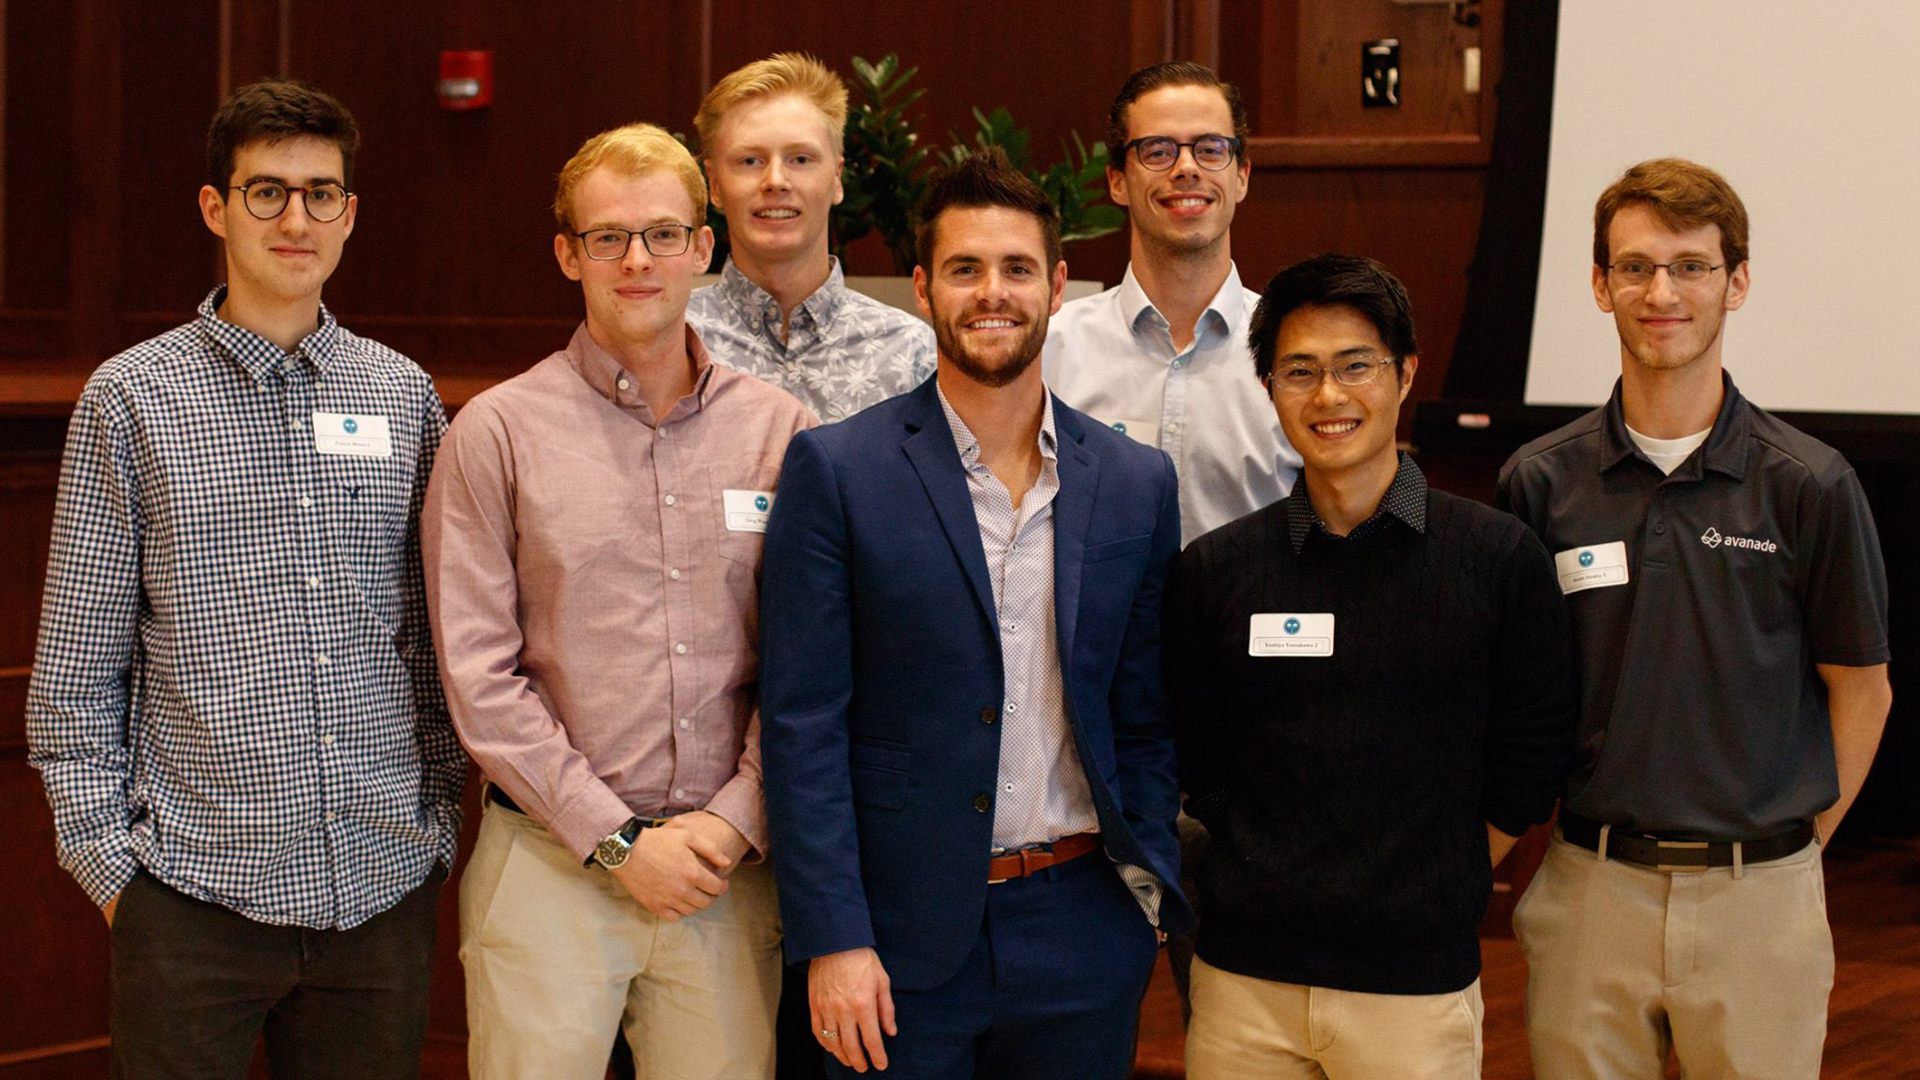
(1140,431)
(1291,634)
(352,434)
(1594,567)
(746,511)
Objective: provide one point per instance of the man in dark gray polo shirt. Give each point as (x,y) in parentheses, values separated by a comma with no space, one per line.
(1730,602)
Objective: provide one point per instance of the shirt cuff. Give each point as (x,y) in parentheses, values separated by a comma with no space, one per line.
(588,818)
(741,804)
(104,867)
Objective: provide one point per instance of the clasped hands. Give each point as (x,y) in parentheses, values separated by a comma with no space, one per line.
(682,866)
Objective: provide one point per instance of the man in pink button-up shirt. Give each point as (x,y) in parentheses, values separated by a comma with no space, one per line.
(592,538)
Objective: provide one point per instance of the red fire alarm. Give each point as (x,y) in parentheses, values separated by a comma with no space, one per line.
(466,79)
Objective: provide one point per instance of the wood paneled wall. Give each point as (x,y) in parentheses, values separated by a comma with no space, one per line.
(102,121)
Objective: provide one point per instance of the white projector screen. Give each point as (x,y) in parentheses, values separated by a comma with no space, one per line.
(1812,113)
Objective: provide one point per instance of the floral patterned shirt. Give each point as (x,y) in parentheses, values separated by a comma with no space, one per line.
(844,351)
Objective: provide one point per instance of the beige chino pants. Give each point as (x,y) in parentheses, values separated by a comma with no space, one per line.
(559,958)
(1626,962)
(1256,1029)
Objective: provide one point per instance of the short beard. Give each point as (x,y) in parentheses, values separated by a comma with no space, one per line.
(1028,350)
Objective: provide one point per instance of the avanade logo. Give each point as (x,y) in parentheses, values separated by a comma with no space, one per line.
(1713,539)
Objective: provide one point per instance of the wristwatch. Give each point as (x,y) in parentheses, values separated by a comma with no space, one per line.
(612,852)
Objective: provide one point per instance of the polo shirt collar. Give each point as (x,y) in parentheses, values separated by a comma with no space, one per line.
(257,356)
(1724,452)
(1405,500)
(1222,313)
(757,307)
(599,370)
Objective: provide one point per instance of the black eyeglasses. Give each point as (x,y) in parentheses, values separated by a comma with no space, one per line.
(267,199)
(662,241)
(1160,152)
(1638,272)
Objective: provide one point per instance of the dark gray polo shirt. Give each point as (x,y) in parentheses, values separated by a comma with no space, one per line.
(1702,715)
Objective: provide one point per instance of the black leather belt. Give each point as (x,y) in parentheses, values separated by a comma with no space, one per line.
(1664,854)
(502,800)
(505,802)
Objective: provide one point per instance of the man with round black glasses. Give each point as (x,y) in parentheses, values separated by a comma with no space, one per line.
(234,702)
(592,542)
(1730,600)
(1372,688)
(1162,357)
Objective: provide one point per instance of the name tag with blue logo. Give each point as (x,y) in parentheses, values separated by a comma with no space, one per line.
(746,511)
(1291,634)
(352,434)
(1593,567)
(1140,431)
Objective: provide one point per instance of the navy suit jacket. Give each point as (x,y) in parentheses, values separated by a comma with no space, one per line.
(881,680)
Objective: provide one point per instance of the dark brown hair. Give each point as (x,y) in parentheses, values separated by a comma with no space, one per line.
(1174,73)
(272,111)
(984,178)
(1684,196)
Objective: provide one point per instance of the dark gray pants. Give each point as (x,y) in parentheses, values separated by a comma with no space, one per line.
(194,985)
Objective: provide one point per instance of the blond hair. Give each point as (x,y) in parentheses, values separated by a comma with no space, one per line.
(633,150)
(781,73)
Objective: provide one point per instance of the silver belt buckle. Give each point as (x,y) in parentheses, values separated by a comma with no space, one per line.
(1683,844)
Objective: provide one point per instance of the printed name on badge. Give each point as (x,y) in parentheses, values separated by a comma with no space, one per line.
(1140,431)
(352,434)
(746,511)
(1290,634)
(1593,567)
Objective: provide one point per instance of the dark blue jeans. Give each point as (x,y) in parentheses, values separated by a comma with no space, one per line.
(194,985)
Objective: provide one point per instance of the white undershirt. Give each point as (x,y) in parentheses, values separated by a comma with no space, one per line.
(1669,453)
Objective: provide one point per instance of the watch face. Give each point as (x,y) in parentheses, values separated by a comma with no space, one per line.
(612,851)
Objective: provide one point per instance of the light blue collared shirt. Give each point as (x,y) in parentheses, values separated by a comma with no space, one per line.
(1112,356)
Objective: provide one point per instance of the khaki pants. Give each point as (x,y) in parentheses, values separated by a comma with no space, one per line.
(1255,1029)
(559,958)
(1626,962)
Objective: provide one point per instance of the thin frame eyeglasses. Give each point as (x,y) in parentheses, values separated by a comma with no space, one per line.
(1296,380)
(1636,273)
(268,199)
(661,241)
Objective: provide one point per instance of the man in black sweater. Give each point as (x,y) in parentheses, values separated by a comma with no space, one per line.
(1373,689)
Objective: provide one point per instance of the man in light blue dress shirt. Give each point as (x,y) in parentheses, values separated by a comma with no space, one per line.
(1163,356)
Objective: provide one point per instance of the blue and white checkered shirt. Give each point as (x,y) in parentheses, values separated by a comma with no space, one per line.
(234,687)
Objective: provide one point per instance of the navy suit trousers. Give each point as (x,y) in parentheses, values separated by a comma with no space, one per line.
(1050,991)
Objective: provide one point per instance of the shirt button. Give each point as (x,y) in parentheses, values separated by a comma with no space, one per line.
(685,723)
(981,802)
(1013,628)
(331,815)
(680,648)
(623,384)
(988,713)
(668,500)
(326,740)
(1660,527)
(1013,706)
(679,793)
(305,502)
(321,659)
(313,582)
(674,573)
(1007,787)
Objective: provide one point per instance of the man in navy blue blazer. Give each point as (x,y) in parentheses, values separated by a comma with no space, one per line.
(969,769)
